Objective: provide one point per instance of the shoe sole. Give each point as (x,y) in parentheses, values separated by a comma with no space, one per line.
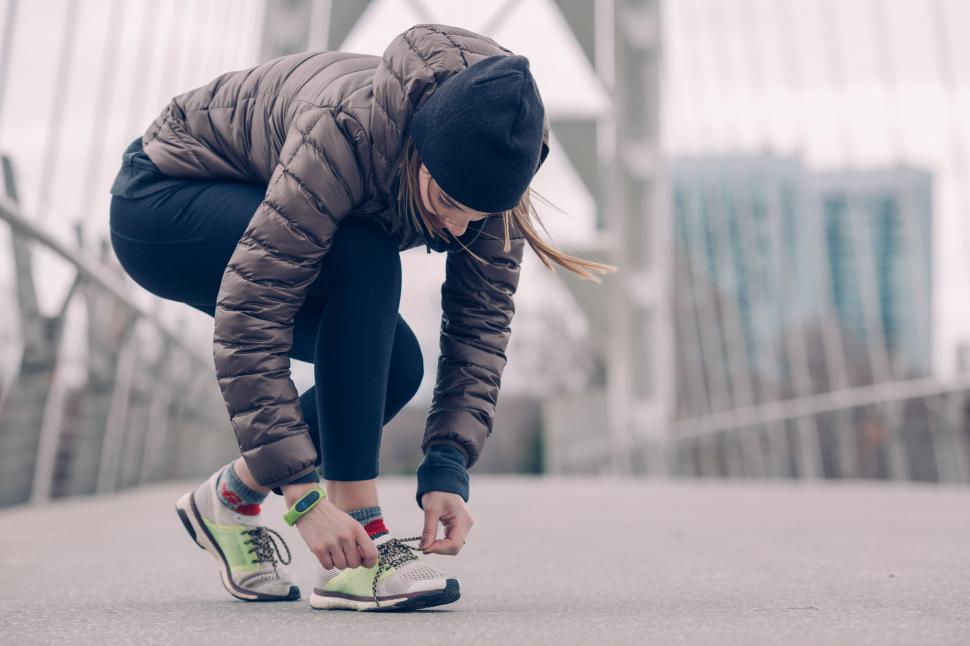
(191,519)
(414,601)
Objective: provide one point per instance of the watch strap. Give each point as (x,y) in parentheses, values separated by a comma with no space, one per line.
(303,505)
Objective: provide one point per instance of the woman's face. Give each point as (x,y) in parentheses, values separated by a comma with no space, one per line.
(450,214)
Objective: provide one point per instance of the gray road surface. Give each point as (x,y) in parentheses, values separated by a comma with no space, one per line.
(549,561)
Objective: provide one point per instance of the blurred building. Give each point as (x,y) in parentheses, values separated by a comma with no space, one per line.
(733,222)
(879,234)
(789,282)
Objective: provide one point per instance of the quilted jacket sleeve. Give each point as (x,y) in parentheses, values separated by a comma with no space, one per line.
(316,183)
(477,309)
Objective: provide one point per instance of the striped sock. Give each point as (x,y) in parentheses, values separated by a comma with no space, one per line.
(234,494)
(372,519)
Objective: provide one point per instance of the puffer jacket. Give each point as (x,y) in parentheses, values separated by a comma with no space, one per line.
(325,132)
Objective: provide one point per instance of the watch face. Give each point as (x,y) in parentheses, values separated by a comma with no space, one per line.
(307,500)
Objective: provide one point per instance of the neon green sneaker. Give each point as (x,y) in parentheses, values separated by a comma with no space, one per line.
(399,581)
(251,566)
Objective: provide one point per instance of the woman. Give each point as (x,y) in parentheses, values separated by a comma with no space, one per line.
(277,199)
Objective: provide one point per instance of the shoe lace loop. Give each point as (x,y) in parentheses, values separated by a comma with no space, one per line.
(265,546)
(392,553)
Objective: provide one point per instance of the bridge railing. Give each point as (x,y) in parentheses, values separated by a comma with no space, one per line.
(147,406)
(915,430)
(101,386)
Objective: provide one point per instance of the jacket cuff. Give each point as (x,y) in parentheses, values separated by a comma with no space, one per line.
(443,469)
(304,479)
(469,440)
(282,461)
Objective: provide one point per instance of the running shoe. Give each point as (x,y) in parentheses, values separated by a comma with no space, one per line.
(250,562)
(399,581)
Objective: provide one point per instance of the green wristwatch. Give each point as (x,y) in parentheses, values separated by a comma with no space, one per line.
(301,507)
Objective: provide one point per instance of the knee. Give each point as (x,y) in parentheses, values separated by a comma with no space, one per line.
(406,376)
(408,373)
(413,375)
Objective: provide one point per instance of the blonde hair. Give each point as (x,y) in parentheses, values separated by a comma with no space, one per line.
(409,196)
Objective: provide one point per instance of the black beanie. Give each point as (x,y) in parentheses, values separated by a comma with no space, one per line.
(480,133)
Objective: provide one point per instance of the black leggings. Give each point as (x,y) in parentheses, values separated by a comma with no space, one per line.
(367,362)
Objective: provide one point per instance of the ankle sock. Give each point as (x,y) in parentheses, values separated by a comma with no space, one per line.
(234,494)
(372,519)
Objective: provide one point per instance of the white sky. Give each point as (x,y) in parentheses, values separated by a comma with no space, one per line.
(730,85)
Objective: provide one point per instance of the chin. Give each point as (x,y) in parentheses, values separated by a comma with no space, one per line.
(438,224)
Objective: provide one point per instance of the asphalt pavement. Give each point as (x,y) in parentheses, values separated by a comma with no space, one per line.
(549,561)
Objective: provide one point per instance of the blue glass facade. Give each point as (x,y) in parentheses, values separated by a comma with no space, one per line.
(770,255)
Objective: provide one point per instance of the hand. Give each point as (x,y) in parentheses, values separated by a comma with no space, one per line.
(450,509)
(334,537)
